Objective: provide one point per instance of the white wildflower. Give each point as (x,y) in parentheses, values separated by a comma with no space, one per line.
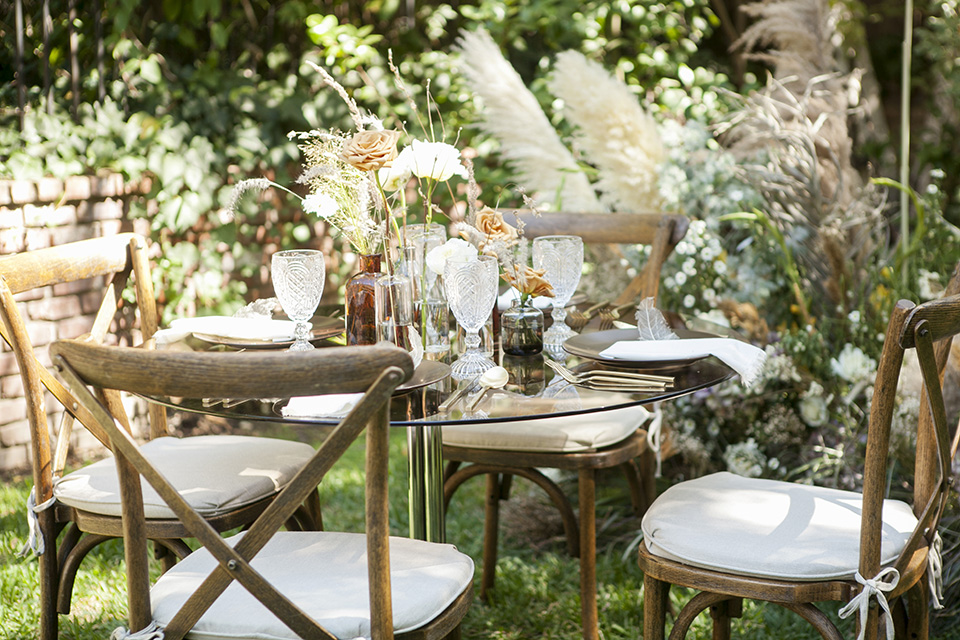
(853,365)
(320,204)
(680,278)
(745,459)
(929,285)
(528,141)
(454,247)
(435,160)
(689,301)
(854,317)
(614,131)
(813,410)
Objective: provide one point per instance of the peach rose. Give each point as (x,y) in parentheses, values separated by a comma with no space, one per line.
(529,281)
(371,150)
(490,223)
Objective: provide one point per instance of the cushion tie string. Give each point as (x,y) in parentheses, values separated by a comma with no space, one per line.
(861,602)
(35,541)
(152,631)
(935,571)
(655,435)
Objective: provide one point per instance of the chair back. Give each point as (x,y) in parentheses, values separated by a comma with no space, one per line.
(928,329)
(661,231)
(112,258)
(376,371)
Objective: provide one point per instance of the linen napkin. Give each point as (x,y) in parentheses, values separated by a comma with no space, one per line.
(744,358)
(335,405)
(265,329)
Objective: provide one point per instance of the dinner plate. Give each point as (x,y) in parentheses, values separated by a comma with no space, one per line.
(589,345)
(323,328)
(427,373)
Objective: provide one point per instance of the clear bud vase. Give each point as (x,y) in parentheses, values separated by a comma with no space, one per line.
(430,301)
(521,330)
(395,320)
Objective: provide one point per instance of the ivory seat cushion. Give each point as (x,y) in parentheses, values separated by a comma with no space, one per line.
(215,474)
(767,528)
(561,434)
(325,574)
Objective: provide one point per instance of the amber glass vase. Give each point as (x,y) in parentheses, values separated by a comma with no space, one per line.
(361,302)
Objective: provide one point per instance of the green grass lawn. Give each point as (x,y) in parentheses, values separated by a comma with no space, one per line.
(537,590)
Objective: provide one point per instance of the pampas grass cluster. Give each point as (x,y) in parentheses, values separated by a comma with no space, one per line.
(512,115)
(612,129)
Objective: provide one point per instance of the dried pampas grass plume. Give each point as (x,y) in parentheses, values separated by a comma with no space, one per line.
(613,131)
(528,141)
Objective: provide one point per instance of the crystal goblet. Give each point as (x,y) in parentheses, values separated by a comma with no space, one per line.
(471,286)
(298,277)
(562,257)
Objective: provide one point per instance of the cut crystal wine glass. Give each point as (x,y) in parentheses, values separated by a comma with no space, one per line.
(562,257)
(471,286)
(298,277)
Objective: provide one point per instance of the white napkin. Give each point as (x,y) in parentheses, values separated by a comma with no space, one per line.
(335,405)
(228,327)
(742,357)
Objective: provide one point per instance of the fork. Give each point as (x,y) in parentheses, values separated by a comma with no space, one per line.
(613,379)
(577,319)
(609,316)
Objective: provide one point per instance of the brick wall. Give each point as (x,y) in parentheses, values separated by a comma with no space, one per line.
(37,215)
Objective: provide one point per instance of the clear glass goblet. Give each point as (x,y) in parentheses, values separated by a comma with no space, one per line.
(471,286)
(562,257)
(298,277)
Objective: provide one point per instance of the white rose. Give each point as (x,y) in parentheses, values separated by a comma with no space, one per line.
(435,160)
(437,257)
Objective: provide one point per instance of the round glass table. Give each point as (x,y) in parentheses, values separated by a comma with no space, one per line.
(534,391)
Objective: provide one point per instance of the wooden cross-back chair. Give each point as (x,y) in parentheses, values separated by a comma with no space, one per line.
(291,584)
(732,538)
(84,505)
(584,444)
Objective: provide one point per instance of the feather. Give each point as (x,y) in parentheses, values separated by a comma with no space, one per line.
(651,324)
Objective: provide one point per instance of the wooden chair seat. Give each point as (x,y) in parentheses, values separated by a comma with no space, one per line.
(266,583)
(553,435)
(83,508)
(586,444)
(212,484)
(769,529)
(795,545)
(426,579)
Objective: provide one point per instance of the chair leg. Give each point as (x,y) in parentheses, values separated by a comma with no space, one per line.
(648,475)
(49,576)
(917,602)
(722,613)
(638,496)
(588,554)
(491,525)
(68,570)
(656,596)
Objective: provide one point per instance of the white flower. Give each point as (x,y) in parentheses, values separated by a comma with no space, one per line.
(435,160)
(854,316)
(813,410)
(853,365)
(745,459)
(681,278)
(320,204)
(454,247)
(689,301)
(929,284)
(395,176)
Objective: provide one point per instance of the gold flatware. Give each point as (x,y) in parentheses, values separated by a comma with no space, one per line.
(464,386)
(577,319)
(609,316)
(608,377)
